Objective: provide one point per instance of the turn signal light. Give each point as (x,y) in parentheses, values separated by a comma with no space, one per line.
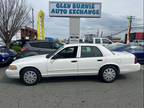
(12,67)
(24,49)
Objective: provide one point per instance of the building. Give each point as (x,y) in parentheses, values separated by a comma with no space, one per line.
(135,36)
(28,33)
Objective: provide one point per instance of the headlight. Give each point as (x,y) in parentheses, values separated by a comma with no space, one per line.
(12,67)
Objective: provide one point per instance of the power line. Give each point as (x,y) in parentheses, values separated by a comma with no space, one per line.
(123,30)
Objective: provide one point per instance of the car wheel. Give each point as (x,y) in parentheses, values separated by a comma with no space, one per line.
(108,74)
(30,76)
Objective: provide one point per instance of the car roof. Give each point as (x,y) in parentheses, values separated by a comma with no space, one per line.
(100,38)
(104,50)
(37,41)
(81,44)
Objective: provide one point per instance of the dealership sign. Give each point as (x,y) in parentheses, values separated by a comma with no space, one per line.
(75,9)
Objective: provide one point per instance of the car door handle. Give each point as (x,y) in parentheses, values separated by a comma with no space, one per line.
(99,60)
(74,61)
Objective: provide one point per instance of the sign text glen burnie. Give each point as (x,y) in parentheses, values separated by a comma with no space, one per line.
(75,9)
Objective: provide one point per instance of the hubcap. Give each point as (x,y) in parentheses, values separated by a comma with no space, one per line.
(109,74)
(30,77)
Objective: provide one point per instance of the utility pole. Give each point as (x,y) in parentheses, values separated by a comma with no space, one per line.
(97,33)
(129,29)
(101,34)
(32,18)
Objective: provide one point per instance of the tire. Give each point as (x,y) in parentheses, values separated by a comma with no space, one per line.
(30,76)
(108,74)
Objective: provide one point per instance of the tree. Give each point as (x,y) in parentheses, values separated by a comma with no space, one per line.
(14,14)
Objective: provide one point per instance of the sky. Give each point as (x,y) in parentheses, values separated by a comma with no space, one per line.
(113,18)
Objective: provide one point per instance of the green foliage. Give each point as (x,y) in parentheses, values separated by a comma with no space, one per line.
(16,48)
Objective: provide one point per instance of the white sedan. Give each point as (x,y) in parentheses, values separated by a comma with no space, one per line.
(74,60)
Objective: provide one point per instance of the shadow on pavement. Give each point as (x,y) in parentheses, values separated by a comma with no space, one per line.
(96,79)
(122,77)
(70,79)
(76,79)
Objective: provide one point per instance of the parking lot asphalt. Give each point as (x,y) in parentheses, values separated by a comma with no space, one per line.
(73,92)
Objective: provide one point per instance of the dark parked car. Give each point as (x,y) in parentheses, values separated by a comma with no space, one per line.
(138,51)
(6,55)
(138,42)
(18,44)
(39,47)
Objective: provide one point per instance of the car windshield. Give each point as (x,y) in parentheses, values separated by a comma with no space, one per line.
(3,50)
(113,47)
(124,47)
(137,48)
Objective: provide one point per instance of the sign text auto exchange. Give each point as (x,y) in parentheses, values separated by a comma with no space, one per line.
(75,8)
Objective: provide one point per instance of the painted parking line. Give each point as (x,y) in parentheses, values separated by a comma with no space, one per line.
(1,77)
(142,67)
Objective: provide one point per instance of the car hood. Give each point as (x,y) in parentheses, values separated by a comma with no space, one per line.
(4,54)
(30,59)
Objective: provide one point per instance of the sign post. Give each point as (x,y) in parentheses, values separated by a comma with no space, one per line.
(74,30)
(75,11)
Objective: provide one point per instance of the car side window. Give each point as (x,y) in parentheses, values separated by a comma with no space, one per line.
(105,41)
(69,52)
(90,51)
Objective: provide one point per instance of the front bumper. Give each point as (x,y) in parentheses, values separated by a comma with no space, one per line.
(130,68)
(12,74)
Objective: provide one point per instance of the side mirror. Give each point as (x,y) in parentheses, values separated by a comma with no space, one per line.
(47,56)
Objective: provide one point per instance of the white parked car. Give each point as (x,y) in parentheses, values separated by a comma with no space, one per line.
(102,41)
(97,40)
(74,60)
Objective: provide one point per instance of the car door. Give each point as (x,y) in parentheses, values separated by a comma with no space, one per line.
(64,62)
(90,60)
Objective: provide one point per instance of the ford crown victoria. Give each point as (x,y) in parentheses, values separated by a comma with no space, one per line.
(74,60)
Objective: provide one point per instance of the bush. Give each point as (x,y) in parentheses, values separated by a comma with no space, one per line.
(16,48)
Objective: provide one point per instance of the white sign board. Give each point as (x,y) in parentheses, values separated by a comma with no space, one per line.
(75,9)
(74,39)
